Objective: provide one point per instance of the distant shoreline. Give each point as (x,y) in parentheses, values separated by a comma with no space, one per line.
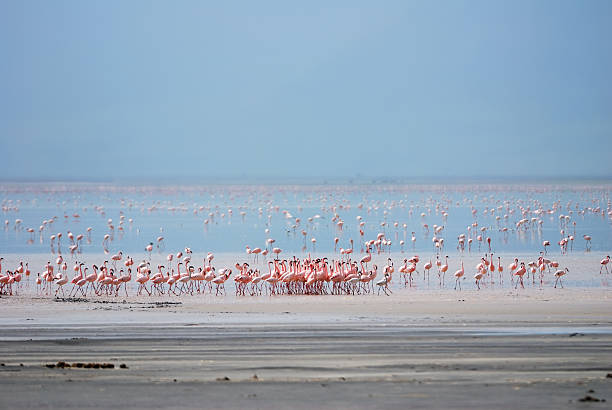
(452,184)
(353,181)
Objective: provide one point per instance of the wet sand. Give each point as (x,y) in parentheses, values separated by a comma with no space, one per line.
(537,348)
(421,347)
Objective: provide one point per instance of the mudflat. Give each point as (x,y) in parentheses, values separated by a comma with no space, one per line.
(535,349)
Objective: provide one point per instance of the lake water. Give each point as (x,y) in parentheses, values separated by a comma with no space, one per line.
(226,218)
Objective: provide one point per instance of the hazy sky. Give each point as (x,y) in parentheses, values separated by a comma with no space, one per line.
(114,89)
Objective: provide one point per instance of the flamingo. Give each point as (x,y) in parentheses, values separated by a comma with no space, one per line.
(125,279)
(511,268)
(366,259)
(427,267)
(520,274)
(558,275)
(115,258)
(545,244)
(149,249)
(587,238)
(383,284)
(458,275)
(604,264)
(256,252)
(224,274)
(478,276)
(142,278)
(443,270)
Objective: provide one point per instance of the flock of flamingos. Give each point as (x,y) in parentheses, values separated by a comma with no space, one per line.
(263,272)
(307,276)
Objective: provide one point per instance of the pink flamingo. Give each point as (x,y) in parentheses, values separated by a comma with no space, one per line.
(427,267)
(116,258)
(559,274)
(587,238)
(443,270)
(61,281)
(458,275)
(224,274)
(520,273)
(604,264)
(511,268)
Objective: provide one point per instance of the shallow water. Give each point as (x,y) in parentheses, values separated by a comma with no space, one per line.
(227,218)
(583,274)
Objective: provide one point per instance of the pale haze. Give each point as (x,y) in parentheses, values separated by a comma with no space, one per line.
(199,90)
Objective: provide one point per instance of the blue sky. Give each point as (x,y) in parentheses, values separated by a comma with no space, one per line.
(197,89)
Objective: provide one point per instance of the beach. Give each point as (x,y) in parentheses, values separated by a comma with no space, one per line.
(510,348)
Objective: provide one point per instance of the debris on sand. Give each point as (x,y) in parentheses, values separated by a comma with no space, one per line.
(66,365)
(77,300)
(589,398)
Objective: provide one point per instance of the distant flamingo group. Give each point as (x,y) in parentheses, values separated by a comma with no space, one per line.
(377,220)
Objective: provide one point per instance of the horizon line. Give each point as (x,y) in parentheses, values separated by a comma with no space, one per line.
(310,180)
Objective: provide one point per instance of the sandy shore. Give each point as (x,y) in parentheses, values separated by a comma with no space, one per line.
(424,348)
(536,350)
